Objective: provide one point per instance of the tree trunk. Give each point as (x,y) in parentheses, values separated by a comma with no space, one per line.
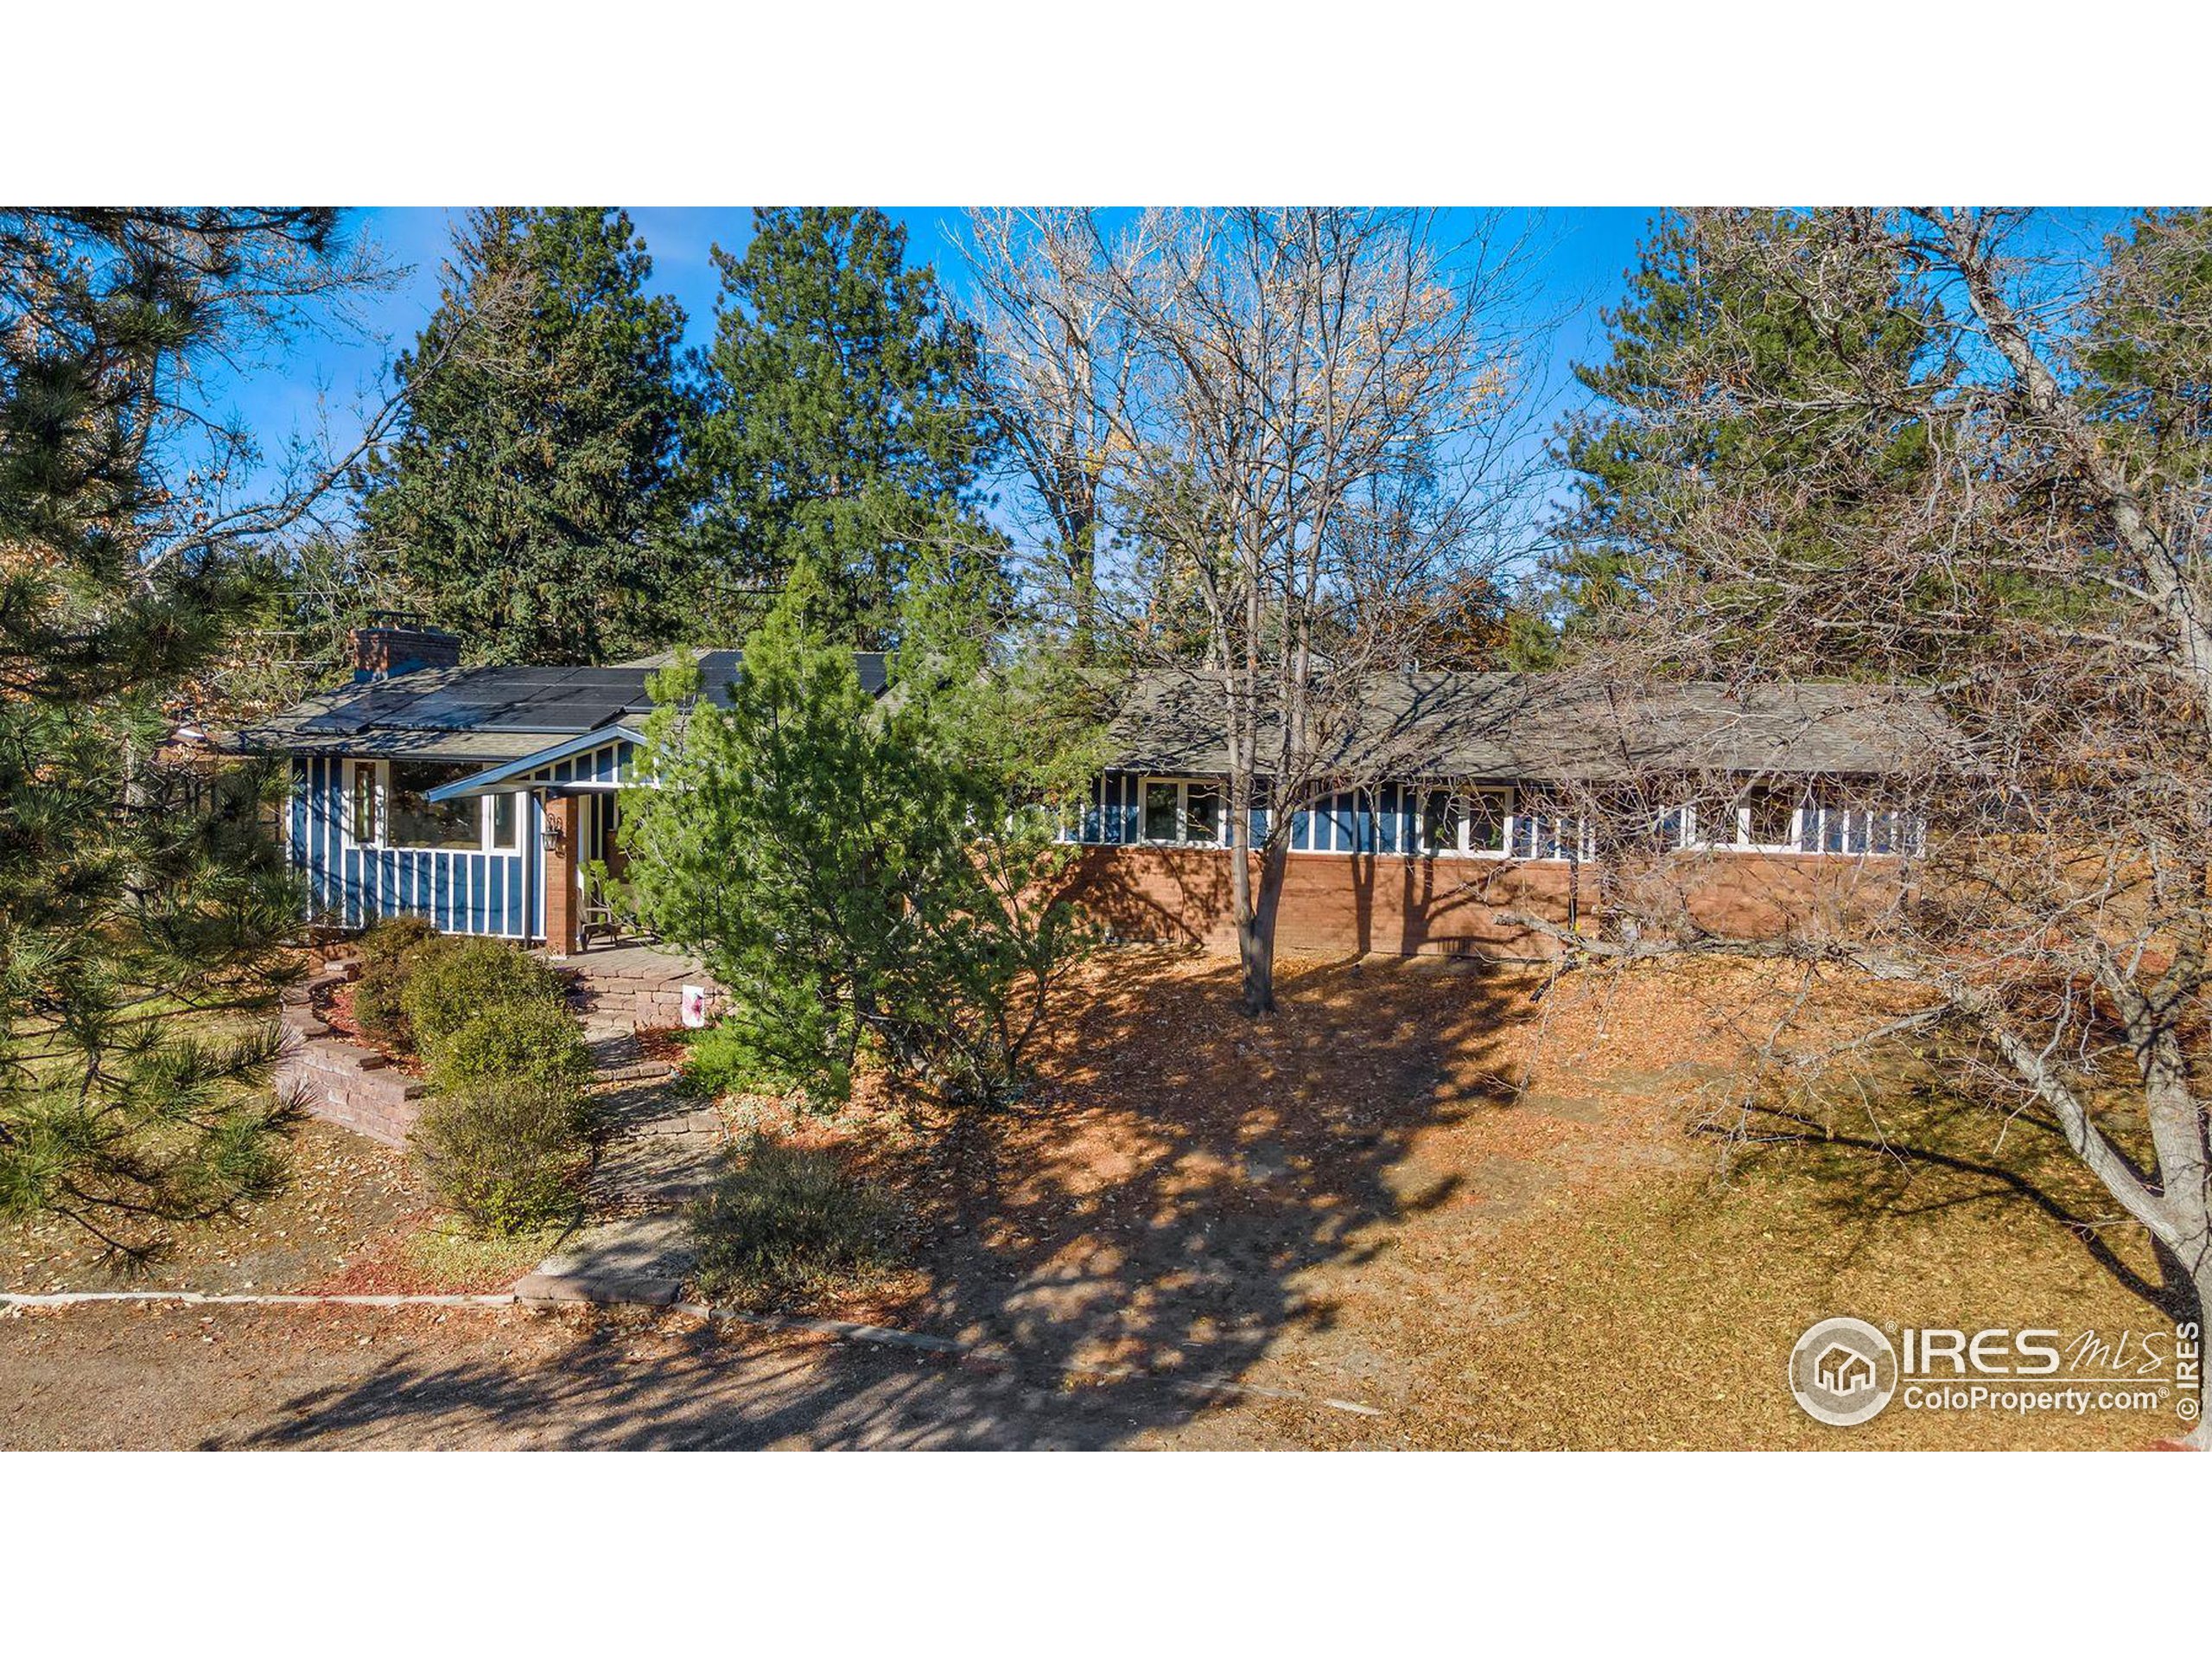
(1256,928)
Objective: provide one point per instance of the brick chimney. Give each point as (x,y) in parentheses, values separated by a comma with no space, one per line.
(388,644)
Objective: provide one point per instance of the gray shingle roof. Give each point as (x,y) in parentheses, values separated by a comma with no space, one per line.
(1558,728)
(484,714)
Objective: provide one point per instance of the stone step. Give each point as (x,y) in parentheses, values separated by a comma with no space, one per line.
(635,1071)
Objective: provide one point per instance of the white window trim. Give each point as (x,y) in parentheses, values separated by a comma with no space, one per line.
(1741,841)
(1506,821)
(1182,787)
(1906,835)
(380,811)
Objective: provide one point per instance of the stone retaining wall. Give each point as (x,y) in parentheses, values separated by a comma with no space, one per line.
(643,997)
(343,1083)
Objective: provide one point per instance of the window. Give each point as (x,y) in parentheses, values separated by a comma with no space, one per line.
(1471,821)
(1831,823)
(1182,811)
(1767,818)
(388,804)
(1442,818)
(1160,804)
(1202,813)
(408,817)
(411,819)
(1487,811)
(361,805)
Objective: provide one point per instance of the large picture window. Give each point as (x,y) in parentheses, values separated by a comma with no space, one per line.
(412,820)
(1183,812)
(388,805)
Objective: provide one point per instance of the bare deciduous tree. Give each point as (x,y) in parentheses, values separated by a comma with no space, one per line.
(2036,568)
(1301,432)
(1056,362)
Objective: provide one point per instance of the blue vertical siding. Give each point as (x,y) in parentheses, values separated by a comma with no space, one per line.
(499,894)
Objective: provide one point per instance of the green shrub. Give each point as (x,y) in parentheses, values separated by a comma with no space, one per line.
(786,1223)
(448,986)
(393,939)
(389,953)
(505,1156)
(511,1042)
(724,1060)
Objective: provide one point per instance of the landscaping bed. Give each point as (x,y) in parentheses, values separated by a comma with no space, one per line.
(331,1002)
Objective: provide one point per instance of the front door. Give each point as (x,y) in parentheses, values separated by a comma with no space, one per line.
(597,814)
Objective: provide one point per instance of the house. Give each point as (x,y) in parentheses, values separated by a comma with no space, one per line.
(1470,797)
(480,799)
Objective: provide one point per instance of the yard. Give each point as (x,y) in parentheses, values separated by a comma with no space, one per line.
(1355,1202)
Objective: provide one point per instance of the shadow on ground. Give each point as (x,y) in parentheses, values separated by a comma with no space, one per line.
(1350,1201)
(1160,1206)
(614,1382)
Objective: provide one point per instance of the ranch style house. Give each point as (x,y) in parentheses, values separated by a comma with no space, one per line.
(482,798)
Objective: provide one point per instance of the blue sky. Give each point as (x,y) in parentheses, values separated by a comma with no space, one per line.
(1582,255)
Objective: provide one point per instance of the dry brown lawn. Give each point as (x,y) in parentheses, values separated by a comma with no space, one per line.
(353,1216)
(1488,1211)
(1494,1211)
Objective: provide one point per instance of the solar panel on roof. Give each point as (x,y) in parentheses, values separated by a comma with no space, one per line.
(552,717)
(455,710)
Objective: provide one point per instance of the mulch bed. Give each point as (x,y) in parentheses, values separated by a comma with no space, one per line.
(333,1004)
(664,1042)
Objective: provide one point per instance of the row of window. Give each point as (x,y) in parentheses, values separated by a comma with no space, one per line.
(1483,822)
(388,807)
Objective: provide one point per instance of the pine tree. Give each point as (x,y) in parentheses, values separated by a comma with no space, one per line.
(865,876)
(525,501)
(833,424)
(142,905)
(1648,450)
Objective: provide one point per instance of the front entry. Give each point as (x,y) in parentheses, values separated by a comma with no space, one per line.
(598,817)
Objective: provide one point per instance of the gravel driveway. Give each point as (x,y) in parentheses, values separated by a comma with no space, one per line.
(181,1376)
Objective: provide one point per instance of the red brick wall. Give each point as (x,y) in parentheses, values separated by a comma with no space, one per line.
(1764,895)
(1334,904)
(563,841)
(387,649)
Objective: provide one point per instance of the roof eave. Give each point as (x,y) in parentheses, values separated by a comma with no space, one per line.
(491,778)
